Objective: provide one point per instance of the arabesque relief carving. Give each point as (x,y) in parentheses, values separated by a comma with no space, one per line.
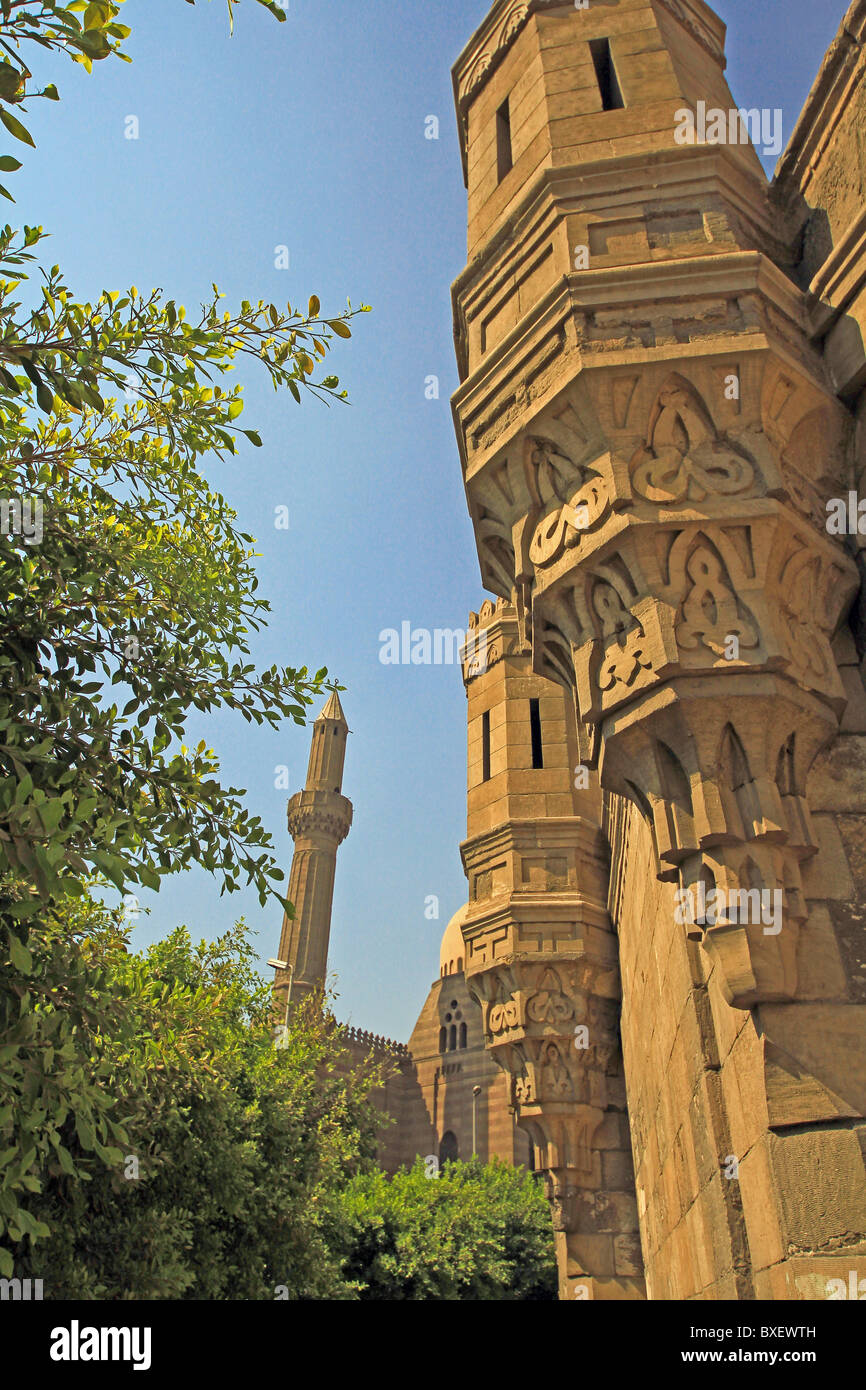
(583,511)
(630,607)
(683,459)
(710,614)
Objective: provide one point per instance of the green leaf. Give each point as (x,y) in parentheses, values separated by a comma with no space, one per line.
(11,81)
(64,1158)
(149,878)
(21,957)
(14,126)
(51,813)
(24,790)
(84,1130)
(96,16)
(113,868)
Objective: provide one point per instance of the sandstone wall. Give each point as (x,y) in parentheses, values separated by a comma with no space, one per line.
(780,1089)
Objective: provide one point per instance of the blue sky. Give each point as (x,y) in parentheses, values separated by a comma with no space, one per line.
(310,134)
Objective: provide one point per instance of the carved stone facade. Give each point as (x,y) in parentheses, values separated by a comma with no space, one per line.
(662,375)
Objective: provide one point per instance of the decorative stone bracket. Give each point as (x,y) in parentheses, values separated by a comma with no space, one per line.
(558,1041)
(644,561)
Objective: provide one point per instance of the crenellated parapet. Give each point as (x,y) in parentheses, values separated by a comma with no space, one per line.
(490,636)
(362,1040)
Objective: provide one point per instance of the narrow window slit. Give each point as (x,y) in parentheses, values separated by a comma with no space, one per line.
(605,72)
(504,158)
(535,734)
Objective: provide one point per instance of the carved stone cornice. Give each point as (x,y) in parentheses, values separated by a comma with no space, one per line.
(656,534)
(711,177)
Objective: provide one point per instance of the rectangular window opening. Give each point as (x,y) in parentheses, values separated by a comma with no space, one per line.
(485,746)
(503,141)
(535,733)
(605,72)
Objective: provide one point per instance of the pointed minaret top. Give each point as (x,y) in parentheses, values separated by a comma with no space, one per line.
(328,748)
(333,710)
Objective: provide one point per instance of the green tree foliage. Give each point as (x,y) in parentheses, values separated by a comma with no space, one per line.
(477,1232)
(228,1148)
(236,1168)
(128,600)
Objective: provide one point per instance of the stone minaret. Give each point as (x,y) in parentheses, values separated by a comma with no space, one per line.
(541,953)
(319,819)
(651,434)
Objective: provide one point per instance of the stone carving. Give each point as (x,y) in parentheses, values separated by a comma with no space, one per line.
(550,471)
(804,496)
(549,1005)
(523,1090)
(571,513)
(555,1078)
(805,633)
(514,21)
(498,551)
(564,528)
(710,613)
(503,36)
(504,1016)
(561,1094)
(731,819)
(625,655)
(307,820)
(487,641)
(683,459)
(476,74)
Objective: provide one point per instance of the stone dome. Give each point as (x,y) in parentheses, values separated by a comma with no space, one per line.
(451,950)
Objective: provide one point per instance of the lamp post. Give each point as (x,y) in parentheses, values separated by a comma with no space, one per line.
(283,965)
(476,1092)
